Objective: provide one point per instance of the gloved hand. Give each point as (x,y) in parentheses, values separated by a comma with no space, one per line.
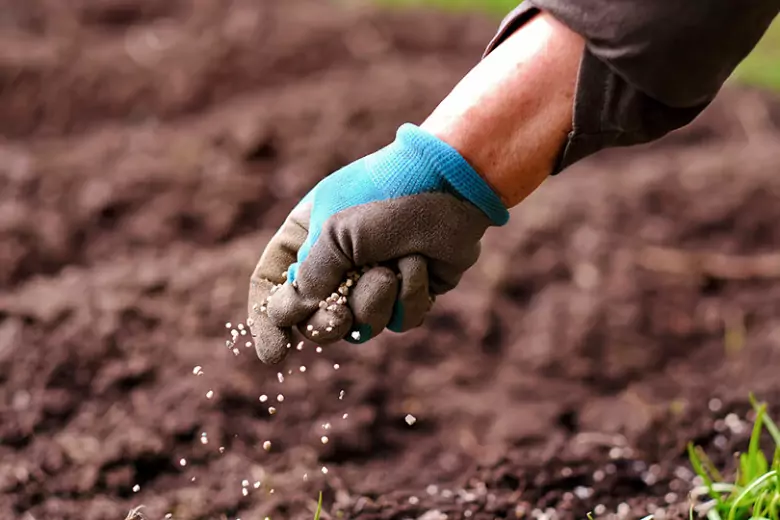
(371,246)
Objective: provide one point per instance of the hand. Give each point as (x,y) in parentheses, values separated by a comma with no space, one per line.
(371,246)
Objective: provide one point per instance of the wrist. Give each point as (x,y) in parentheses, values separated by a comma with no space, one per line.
(456,171)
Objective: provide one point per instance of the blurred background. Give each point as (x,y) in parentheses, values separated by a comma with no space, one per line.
(150,148)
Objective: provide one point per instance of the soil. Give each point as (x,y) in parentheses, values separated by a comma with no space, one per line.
(151,148)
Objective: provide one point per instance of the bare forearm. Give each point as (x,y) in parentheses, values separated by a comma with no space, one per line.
(509,117)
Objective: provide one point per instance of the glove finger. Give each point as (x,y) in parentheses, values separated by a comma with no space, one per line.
(414,299)
(270,340)
(372,300)
(380,232)
(328,324)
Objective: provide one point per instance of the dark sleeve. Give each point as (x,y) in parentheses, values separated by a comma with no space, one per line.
(649,66)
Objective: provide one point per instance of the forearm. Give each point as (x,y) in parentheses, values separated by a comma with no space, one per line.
(510,116)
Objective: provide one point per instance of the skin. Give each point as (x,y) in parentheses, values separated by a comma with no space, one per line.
(510,115)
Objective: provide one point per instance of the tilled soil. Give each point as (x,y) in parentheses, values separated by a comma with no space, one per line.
(151,149)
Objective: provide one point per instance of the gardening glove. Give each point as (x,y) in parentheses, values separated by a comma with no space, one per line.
(371,246)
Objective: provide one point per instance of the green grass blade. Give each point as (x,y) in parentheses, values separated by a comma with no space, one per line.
(319,508)
(695,457)
(756,484)
(771,427)
(755,457)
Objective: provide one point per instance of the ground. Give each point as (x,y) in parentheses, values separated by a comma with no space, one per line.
(151,149)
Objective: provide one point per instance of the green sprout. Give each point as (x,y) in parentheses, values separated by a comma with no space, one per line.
(319,508)
(755,492)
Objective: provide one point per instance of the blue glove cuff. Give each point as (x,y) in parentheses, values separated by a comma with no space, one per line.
(458,173)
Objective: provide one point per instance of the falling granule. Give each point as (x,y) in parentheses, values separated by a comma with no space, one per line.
(305,477)
(209,394)
(243,332)
(356,335)
(272,491)
(326,426)
(244,483)
(280,377)
(345,416)
(198,370)
(324,439)
(271,410)
(193,479)
(324,470)
(263,398)
(228,325)
(168,516)
(310,328)
(267,445)
(244,491)
(222,449)
(289,372)
(204,438)
(410,419)
(234,333)
(182,462)
(302,369)
(136,488)
(341,395)
(319,349)
(336,366)
(240,326)
(299,346)
(414,500)
(280,398)
(257,484)
(248,344)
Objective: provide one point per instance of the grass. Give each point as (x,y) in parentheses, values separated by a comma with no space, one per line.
(319,508)
(755,492)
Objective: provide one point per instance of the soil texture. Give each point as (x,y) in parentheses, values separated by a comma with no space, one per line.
(150,149)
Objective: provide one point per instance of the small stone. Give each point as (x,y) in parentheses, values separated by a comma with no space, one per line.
(267,445)
(324,439)
(198,370)
(280,398)
(302,369)
(136,488)
(263,398)
(324,470)
(182,462)
(244,491)
(410,419)
(209,394)
(271,410)
(336,366)
(356,335)
(228,325)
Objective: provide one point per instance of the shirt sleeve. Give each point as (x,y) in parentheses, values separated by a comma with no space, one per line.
(649,66)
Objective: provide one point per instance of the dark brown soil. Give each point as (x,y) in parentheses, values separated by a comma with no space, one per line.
(150,150)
